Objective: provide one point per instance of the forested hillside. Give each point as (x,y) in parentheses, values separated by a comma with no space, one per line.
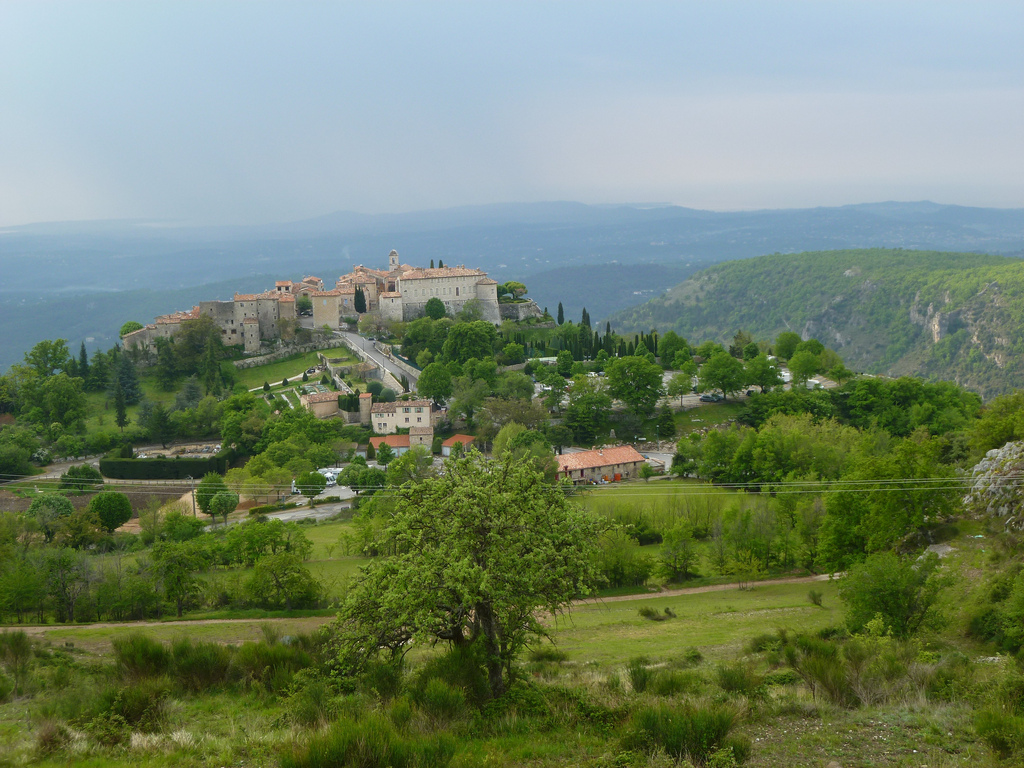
(955,316)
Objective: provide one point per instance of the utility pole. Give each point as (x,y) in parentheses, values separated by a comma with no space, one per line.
(192,493)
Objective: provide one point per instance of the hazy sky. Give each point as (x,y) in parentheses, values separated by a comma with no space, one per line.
(250,112)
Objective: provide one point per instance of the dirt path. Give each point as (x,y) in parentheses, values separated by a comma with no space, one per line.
(699,590)
(42,630)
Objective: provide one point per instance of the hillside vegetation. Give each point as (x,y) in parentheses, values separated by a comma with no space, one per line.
(954,316)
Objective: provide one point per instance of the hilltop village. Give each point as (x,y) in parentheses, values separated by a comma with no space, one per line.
(399,292)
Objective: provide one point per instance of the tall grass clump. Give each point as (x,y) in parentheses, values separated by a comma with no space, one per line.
(739,677)
(440,701)
(373,742)
(137,655)
(694,731)
(312,700)
(140,704)
(640,674)
(200,665)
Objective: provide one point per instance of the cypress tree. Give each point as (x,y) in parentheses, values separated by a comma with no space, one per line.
(360,300)
(120,406)
(561,314)
(431,263)
(440,264)
(83,362)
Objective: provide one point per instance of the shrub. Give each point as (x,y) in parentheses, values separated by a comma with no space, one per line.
(693,731)
(371,743)
(382,678)
(651,614)
(138,655)
(672,683)
(738,678)
(269,666)
(312,701)
(200,665)
(782,677)
(547,653)
(1002,731)
(441,702)
(815,596)
(640,674)
(140,704)
(461,668)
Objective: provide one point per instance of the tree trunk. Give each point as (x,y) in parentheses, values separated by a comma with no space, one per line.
(489,629)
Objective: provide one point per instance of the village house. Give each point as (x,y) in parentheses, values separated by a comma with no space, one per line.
(418,436)
(601,465)
(323,405)
(388,418)
(464,440)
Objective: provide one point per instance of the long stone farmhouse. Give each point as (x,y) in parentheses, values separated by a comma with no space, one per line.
(603,465)
(399,292)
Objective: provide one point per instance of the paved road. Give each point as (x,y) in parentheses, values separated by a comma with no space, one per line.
(367,346)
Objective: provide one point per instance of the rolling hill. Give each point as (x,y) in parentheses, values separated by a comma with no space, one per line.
(955,316)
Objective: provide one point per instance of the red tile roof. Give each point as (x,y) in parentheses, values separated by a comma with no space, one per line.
(395,441)
(604,457)
(464,439)
(427,274)
(319,397)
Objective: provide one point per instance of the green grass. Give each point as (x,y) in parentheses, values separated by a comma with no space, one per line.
(706,415)
(718,623)
(290,369)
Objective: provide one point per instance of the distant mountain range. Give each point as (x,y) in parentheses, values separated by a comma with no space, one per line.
(567,252)
(953,316)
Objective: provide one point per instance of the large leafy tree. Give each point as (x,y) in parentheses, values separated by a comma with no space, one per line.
(587,412)
(434,308)
(112,508)
(208,487)
(762,373)
(636,381)
(722,371)
(435,382)
(471,557)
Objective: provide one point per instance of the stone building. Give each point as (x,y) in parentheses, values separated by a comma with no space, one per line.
(388,418)
(402,291)
(323,405)
(603,465)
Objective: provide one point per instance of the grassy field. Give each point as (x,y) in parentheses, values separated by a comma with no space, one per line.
(706,415)
(290,369)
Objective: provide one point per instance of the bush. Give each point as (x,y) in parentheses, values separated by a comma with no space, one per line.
(673,683)
(200,665)
(382,678)
(738,678)
(815,596)
(651,614)
(1002,731)
(138,655)
(441,702)
(461,668)
(312,701)
(270,667)
(693,731)
(141,704)
(83,477)
(547,653)
(371,743)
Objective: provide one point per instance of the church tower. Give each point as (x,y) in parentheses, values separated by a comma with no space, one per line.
(393,261)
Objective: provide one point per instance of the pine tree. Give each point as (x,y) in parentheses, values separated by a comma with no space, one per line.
(561,314)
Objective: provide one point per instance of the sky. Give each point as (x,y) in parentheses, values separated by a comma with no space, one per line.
(257,112)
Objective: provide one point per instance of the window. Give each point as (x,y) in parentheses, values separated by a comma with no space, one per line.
(406,419)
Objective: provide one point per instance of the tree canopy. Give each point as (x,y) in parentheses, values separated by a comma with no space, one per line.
(470,557)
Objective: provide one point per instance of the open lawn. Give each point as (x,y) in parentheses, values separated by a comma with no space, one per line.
(290,369)
(716,623)
(706,415)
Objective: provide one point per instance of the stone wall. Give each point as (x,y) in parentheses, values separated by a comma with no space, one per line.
(273,357)
(520,311)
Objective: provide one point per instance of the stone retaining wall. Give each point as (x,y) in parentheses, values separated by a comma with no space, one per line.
(273,357)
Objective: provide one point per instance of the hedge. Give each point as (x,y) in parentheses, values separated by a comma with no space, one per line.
(161,469)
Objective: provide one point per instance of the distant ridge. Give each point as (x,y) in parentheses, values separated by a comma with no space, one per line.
(954,316)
